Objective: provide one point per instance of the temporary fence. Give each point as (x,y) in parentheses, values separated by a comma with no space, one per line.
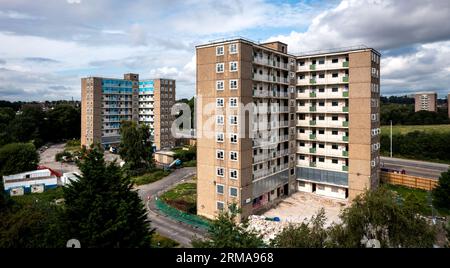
(181,216)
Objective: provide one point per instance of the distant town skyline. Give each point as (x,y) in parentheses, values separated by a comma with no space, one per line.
(47,46)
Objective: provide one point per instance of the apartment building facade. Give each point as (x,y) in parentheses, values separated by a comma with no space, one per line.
(270,123)
(425,101)
(105,102)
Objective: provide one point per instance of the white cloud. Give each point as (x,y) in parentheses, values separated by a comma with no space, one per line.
(74,1)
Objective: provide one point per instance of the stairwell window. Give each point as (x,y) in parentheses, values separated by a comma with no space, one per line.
(219,51)
(233,174)
(220,172)
(220,120)
(219,102)
(233,156)
(233,120)
(233,49)
(220,154)
(219,67)
(233,84)
(219,85)
(233,138)
(233,66)
(233,102)
(220,137)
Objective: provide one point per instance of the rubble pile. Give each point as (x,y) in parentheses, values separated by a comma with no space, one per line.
(267,228)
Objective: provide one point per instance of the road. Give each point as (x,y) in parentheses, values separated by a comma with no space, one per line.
(47,158)
(415,168)
(180,232)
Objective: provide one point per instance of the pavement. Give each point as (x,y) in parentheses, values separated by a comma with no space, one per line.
(414,167)
(175,230)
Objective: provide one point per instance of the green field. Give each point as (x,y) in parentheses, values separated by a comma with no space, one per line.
(149,177)
(402,129)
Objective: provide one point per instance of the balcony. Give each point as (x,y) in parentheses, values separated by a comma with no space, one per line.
(312,137)
(312,67)
(345,138)
(345,79)
(312,81)
(345,123)
(312,122)
(344,168)
(312,109)
(312,95)
(345,94)
(312,150)
(345,153)
(345,109)
(345,64)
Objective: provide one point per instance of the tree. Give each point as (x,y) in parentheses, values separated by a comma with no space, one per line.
(102,210)
(224,232)
(378,215)
(441,194)
(135,147)
(18,157)
(310,234)
(28,126)
(35,225)
(64,122)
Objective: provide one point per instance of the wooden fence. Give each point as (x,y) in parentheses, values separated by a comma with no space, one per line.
(408,181)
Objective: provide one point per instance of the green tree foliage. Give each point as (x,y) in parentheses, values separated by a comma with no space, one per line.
(224,232)
(102,210)
(6,115)
(378,215)
(310,234)
(64,122)
(35,225)
(404,114)
(374,215)
(419,145)
(28,126)
(135,147)
(18,157)
(186,155)
(441,194)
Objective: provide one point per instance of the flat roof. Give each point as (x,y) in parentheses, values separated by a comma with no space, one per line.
(323,52)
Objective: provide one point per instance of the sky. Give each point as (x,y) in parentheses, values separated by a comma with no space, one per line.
(47,46)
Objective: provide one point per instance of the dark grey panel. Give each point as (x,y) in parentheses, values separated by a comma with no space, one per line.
(325,176)
(270,183)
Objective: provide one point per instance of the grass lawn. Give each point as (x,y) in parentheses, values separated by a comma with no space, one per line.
(73,145)
(421,195)
(192,163)
(401,129)
(182,197)
(159,241)
(150,177)
(47,196)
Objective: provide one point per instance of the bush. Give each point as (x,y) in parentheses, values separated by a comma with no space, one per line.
(192,163)
(186,155)
(18,157)
(59,157)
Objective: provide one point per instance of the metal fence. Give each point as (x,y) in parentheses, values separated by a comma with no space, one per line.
(181,216)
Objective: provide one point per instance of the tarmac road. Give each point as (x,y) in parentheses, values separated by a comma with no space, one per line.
(415,168)
(178,231)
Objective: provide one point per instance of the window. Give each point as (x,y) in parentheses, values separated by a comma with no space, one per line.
(219,188)
(301,183)
(321,132)
(334,132)
(219,120)
(233,102)
(302,130)
(321,61)
(334,75)
(301,63)
(334,118)
(233,66)
(219,51)
(301,157)
(233,174)
(321,117)
(220,137)
(334,103)
(219,85)
(321,75)
(320,187)
(233,192)
(220,205)
(220,154)
(334,89)
(233,84)
(322,103)
(334,61)
(234,156)
(334,147)
(233,49)
(321,90)
(321,146)
(233,138)
(219,102)
(321,159)
(233,120)
(334,189)
(334,161)
(220,172)
(219,67)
